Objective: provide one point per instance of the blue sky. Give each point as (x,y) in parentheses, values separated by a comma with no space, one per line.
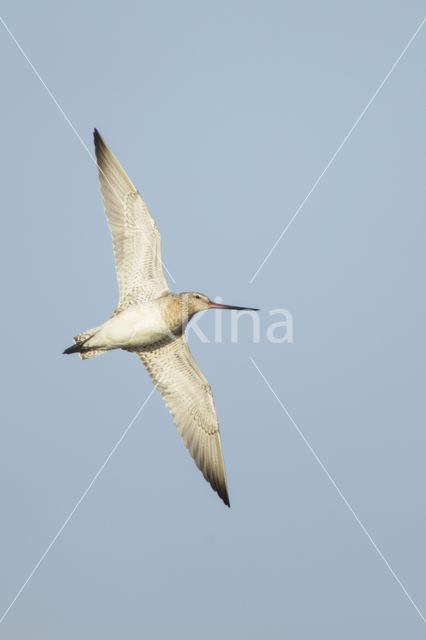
(224,116)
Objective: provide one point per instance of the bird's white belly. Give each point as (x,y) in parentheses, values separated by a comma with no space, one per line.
(134,327)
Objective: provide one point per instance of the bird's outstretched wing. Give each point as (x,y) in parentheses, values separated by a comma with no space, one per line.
(136,239)
(189,398)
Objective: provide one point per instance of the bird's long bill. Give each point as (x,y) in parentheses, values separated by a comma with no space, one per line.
(215,305)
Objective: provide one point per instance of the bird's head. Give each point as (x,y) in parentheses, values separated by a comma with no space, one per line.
(196,302)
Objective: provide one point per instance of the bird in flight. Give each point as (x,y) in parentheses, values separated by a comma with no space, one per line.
(150,320)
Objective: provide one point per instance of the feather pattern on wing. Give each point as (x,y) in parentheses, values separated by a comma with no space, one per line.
(189,398)
(136,239)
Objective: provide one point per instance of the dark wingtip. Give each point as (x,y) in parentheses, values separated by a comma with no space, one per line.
(100,147)
(97,138)
(75,348)
(224,496)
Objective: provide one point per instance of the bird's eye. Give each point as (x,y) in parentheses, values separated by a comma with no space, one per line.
(198,297)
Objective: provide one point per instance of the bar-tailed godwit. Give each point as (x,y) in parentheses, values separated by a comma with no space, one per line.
(150,320)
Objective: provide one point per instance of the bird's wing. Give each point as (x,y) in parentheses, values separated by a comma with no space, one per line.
(136,239)
(189,398)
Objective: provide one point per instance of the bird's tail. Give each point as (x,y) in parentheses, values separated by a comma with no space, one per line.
(80,346)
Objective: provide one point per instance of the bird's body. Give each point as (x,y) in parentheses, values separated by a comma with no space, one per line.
(139,326)
(150,320)
(133,328)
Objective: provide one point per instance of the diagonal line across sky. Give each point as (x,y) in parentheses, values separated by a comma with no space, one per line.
(78,503)
(54,539)
(345,501)
(339,148)
(66,118)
